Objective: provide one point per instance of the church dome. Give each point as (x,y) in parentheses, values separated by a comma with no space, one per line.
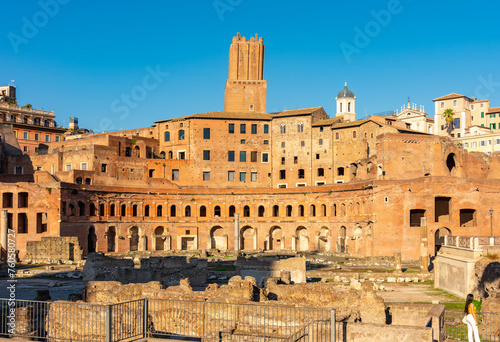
(345,92)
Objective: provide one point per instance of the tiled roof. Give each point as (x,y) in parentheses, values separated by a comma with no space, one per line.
(293,112)
(494,110)
(450,96)
(352,124)
(224,116)
(327,122)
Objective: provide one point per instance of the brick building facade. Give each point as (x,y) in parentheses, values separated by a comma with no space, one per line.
(293,180)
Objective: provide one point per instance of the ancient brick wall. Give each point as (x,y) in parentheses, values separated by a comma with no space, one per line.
(53,248)
(168,270)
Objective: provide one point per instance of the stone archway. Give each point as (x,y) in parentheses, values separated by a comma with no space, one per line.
(159,238)
(134,239)
(217,238)
(276,239)
(324,240)
(248,238)
(439,238)
(302,236)
(91,240)
(111,236)
(342,244)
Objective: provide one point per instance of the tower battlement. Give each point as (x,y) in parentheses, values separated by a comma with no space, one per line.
(246,66)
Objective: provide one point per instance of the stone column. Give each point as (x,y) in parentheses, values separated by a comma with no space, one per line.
(224,241)
(424,249)
(236,232)
(3,234)
(397,262)
(168,245)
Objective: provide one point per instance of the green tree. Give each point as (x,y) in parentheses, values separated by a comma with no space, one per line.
(28,105)
(448,117)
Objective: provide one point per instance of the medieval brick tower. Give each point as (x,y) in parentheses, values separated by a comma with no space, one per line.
(246,89)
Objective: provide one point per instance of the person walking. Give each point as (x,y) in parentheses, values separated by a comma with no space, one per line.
(470,311)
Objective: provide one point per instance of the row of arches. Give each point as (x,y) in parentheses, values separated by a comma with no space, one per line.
(275,239)
(313,210)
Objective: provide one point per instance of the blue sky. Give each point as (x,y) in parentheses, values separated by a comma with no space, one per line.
(169,58)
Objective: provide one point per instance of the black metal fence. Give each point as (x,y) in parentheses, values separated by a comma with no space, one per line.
(161,318)
(488,326)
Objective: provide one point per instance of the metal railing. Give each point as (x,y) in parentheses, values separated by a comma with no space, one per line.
(162,318)
(488,326)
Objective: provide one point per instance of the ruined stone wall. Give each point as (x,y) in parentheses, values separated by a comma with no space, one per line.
(168,270)
(264,268)
(53,249)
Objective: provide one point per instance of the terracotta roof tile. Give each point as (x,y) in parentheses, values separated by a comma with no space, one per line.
(224,116)
(327,122)
(451,96)
(292,112)
(494,110)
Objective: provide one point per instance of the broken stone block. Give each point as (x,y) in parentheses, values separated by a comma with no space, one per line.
(391,279)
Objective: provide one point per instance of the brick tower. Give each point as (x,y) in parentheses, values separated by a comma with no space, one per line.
(246,89)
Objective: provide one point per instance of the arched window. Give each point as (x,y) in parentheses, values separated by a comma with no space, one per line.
(162,155)
(288,210)
(337,135)
(123,211)
(112,210)
(181,134)
(261,211)
(341,107)
(246,211)
(282,128)
(349,107)
(232,210)
(276,210)
(354,134)
(172,211)
(203,211)
(134,210)
(159,211)
(170,155)
(334,210)
(217,211)
(187,211)
(146,210)
(312,210)
(323,210)
(167,136)
(300,127)
(301,210)
(101,209)
(88,181)
(81,209)
(92,209)
(79,180)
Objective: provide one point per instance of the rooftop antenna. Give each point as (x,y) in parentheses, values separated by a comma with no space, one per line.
(11,83)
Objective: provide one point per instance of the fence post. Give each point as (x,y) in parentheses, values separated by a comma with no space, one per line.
(145,317)
(108,324)
(333,331)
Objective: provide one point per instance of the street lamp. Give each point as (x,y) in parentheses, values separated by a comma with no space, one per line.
(491,222)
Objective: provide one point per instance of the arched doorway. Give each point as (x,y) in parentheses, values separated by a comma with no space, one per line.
(159,239)
(134,239)
(302,239)
(439,238)
(276,239)
(248,238)
(91,240)
(323,240)
(111,239)
(217,238)
(342,240)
